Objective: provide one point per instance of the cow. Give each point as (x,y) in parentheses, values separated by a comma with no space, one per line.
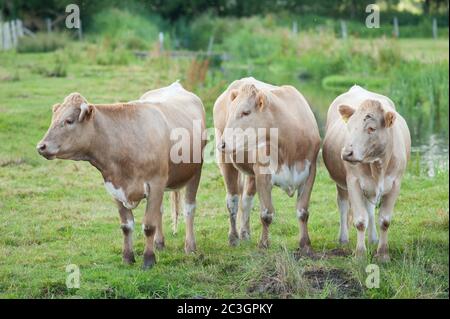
(366,148)
(131,145)
(249,104)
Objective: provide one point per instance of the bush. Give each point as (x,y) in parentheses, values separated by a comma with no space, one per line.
(127,29)
(42,42)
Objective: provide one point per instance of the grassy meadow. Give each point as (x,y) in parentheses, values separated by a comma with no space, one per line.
(56,213)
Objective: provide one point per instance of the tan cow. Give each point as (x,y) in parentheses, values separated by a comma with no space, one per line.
(131,145)
(366,149)
(288,161)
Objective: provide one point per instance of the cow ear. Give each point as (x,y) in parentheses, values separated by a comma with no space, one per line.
(346,111)
(261,100)
(86,112)
(233,94)
(55,107)
(389,119)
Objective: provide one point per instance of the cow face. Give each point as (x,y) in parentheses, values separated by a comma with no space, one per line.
(71,129)
(368,131)
(248,121)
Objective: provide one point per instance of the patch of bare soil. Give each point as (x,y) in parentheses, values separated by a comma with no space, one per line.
(345,284)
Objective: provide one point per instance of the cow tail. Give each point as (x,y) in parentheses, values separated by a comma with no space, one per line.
(175,197)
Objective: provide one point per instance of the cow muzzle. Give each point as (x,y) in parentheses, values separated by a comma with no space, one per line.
(43,150)
(348,155)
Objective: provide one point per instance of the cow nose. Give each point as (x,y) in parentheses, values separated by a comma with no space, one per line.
(348,153)
(41,147)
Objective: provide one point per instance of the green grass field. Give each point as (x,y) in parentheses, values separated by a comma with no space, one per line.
(56,213)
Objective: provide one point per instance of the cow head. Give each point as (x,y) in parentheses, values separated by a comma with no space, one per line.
(71,129)
(368,129)
(248,121)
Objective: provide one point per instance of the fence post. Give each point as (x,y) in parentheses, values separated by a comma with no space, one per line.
(210,45)
(435,28)
(13,33)
(396,28)
(19,28)
(161,42)
(48,22)
(6,36)
(1,35)
(344,29)
(294,27)
(80,30)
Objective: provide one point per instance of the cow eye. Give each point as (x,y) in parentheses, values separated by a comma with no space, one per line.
(69,121)
(371,129)
(245,113)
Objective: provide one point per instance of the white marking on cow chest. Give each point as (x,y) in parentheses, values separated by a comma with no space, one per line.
(290,178)
(119,194)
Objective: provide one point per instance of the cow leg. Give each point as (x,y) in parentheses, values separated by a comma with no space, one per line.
(343,204)
(231,176)
(127,226)
(386,209)
(159,235)
(360,214)
(264,188)
(303,197)
(189,212)
(246,207)
(152,218)
(372,229)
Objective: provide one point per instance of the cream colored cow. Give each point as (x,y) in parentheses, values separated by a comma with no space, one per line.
(131,144)
(366,149)
(247,106)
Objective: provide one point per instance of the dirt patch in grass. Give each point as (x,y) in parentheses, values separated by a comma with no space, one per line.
(338,278)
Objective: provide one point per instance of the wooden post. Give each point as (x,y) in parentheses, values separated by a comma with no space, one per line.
(1,35)
(13,33)
(210,45)
(396,28)
(19,26)
(80,31)
(161,42)
(435,28)
(48,22)
(6,36)
(344,29)
(294,28)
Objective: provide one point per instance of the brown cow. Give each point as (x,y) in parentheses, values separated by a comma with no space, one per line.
(366,149)
(249,105)
(131,145)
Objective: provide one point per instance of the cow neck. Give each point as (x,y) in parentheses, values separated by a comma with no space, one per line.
(102,157)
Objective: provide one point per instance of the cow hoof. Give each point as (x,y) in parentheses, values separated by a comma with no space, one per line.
(383,258)
(263,244)
(233,240)
(160,245)
(189,248)
(149,261)
(244,235)
(305,250)
(128,258)
(360,253)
